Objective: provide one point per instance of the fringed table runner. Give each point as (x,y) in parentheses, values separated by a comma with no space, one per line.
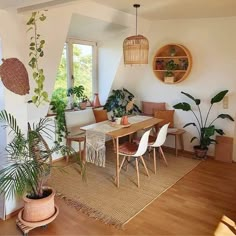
(95,139)
(95,147)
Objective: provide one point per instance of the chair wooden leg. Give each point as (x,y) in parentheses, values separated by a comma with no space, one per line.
(154,160)
(163,156)
(80,151)
(122,163)
(144,164)
(68,144)
(128,160)
(137,170)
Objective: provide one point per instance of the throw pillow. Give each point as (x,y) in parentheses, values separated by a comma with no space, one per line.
(100,115)
(148,107)
(167,116)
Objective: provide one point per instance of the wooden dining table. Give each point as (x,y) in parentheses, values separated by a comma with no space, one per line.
(125,131)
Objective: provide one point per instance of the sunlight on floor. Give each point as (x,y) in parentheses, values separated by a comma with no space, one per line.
(226,227)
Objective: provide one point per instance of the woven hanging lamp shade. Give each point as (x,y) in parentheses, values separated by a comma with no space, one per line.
(135,48)
(14,76)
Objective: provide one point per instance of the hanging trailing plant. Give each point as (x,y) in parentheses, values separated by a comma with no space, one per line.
(36,52)
(58,107)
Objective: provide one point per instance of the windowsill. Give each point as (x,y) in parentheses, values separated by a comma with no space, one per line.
(72,110)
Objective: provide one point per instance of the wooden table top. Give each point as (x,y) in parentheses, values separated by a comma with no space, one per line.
(134,128)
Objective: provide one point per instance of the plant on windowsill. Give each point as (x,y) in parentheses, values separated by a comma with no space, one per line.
(117,103)
(29,166)
(206,130)
(78,91)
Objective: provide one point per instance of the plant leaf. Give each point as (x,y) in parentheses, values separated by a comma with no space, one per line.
(196,100)
(192,123)
(183,106)
(192,139)
(225,116)
(218,97)
(219,131)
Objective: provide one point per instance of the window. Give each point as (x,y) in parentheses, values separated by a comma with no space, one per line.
(77,67)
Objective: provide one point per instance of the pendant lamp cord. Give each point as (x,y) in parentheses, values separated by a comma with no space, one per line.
(136,21)
(136,6)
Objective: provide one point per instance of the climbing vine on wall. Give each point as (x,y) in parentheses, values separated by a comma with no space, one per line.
(36,47)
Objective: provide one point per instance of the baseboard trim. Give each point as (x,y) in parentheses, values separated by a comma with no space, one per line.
(184,153)
(14,213)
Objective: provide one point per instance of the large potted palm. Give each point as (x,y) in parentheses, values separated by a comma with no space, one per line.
(28,168)
(205,129)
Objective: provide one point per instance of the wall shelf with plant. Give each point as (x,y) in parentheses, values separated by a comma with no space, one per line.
(172,60)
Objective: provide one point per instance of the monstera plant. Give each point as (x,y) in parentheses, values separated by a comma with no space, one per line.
(117,103)
(205,129)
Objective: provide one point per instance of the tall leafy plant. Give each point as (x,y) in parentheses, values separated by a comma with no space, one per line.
(36,47)
(205,128)
(30,157)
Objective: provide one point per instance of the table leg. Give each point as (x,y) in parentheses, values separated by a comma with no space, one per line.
(182,142)
(117,164)
(114,144)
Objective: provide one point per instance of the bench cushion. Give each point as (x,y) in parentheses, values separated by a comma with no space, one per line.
(149,107)
(167,116)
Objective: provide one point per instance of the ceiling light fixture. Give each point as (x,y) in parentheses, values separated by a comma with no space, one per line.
(135,48)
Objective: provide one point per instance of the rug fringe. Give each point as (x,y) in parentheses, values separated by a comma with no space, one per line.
(91,212)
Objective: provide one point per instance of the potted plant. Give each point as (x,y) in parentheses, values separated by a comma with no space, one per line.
(58,107)
(78,91)
(117,103)
(170,67)
(206,130)
(29,167)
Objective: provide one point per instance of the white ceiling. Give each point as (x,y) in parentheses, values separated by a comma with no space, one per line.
(152,9)
(175,9)
(92,29)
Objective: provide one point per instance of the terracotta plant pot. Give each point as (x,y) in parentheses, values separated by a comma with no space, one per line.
(82,105)
(200,153)
(36,210)
(124,120)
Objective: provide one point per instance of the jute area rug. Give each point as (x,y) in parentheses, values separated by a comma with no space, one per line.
(99,198)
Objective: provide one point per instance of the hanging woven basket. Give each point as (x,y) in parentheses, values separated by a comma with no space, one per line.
(14,76)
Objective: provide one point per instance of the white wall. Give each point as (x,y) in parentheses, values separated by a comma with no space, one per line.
(11,32)
(212,45)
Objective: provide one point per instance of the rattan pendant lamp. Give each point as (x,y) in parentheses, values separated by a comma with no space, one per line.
(135,48)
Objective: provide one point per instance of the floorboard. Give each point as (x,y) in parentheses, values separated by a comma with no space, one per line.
(202,203)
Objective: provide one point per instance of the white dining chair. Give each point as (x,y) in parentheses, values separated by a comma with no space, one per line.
(157,142)
(136,151)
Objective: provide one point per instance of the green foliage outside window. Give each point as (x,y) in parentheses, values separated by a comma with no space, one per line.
(82,68)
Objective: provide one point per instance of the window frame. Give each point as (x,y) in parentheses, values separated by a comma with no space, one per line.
(69,60)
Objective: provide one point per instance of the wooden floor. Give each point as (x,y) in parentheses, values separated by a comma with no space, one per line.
(201,203)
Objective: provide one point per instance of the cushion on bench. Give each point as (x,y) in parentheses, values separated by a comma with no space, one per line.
(149,107)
